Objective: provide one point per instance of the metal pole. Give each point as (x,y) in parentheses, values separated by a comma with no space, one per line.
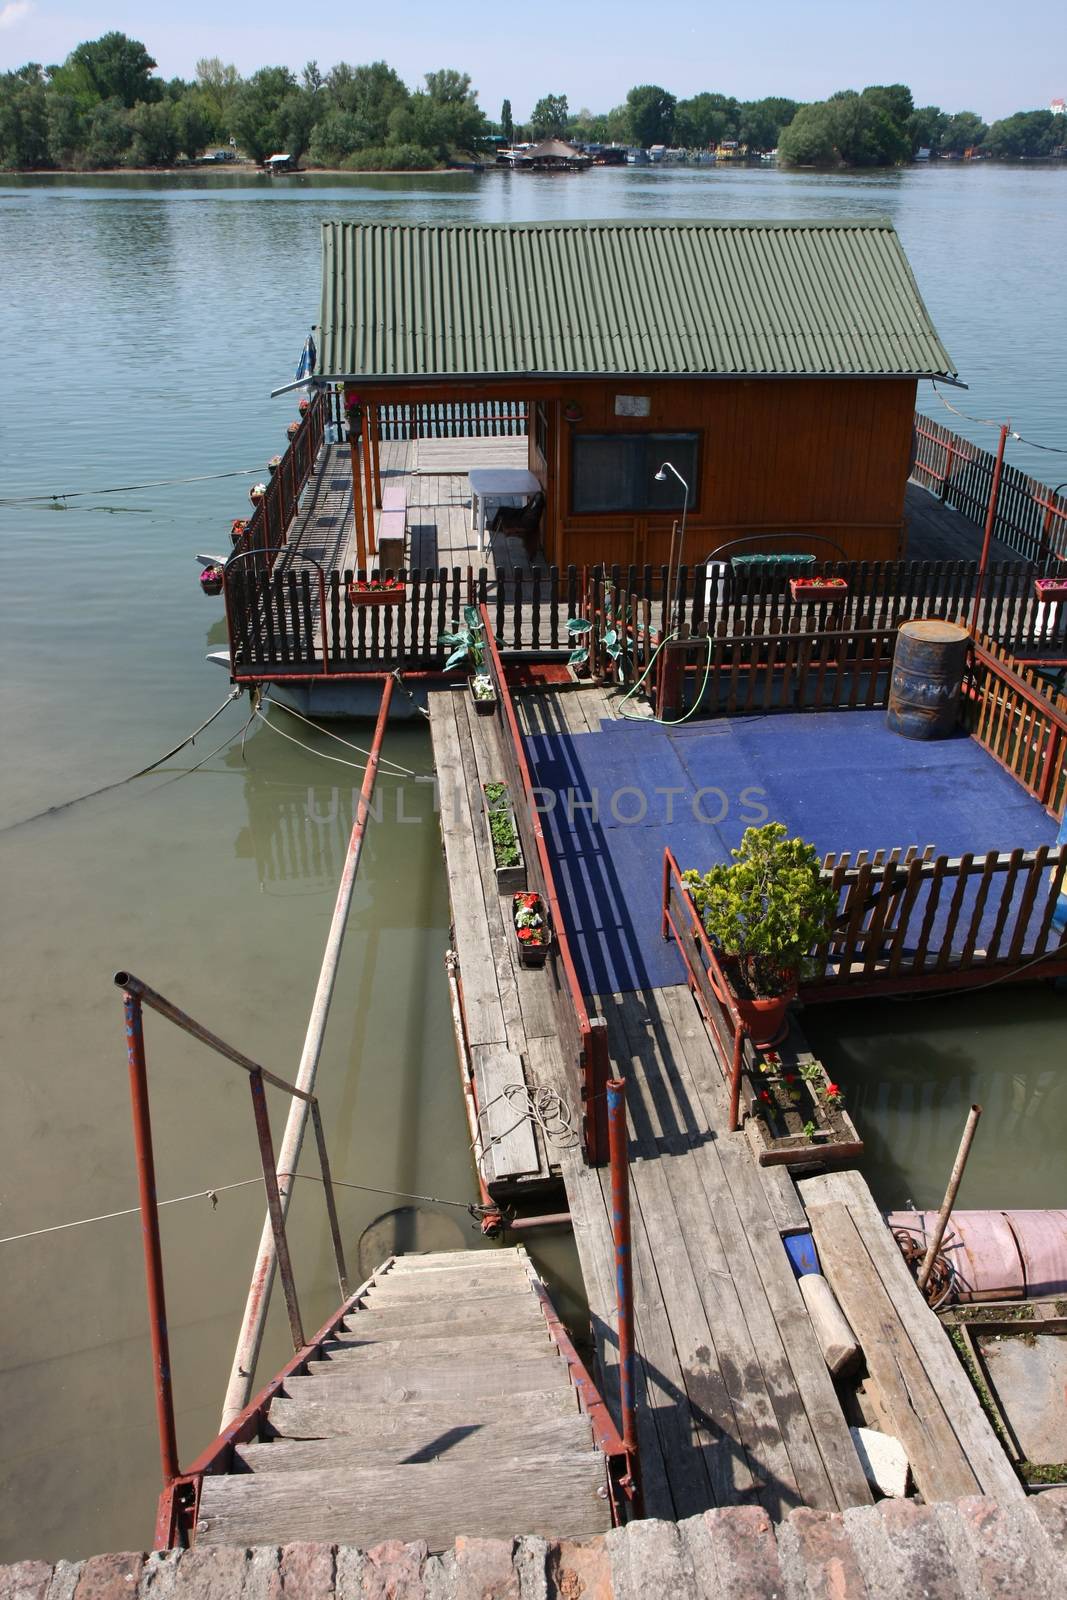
(624,1287)
(735,1077)
(274,1206)
(990,520)
(153,1251)
(950,1196)
(246,1355)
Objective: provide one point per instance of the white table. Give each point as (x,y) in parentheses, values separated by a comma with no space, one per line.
(496,483)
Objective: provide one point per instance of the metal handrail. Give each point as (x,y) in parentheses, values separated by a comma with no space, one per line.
(136,995)
(712,972)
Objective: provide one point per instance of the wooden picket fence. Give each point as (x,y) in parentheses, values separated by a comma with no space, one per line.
(1009,710)
(911,920)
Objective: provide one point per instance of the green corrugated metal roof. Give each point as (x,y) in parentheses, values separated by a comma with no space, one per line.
(670,299)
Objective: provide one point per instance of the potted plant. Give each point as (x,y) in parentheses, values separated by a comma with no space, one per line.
(211,579)
(467,644)
(1051,588)
(257,492)
(237,529)
(504,838)
(533,930)
(303,405)
(273,464)
(764,914)
(603,636)
(377,591)
(818,588)
(293,429)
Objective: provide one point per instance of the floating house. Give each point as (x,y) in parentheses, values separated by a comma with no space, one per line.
(774,364)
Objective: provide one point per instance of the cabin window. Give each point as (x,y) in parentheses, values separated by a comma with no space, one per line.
(617,471)
(541,429)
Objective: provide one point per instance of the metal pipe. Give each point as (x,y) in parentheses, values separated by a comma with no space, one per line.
(950,1196)
(990,521)
(624,1287)
(246,1355)
(274,1207)
(553,1219)
(153,1251)
(735,1076)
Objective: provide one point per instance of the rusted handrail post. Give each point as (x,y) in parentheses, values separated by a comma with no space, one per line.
(990,523)
(153,1251)
(624,1286)
(274,1206)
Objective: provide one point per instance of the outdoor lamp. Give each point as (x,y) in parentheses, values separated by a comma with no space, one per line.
(661,477)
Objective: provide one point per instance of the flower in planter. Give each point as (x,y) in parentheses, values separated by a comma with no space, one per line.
(810,1130)
(832,1095)
(482,686)
(765,1096)
(818,583)
(530,924)
(257,491)
(274,463)
(303,405)
(377,585)
(293,429)
(237,527)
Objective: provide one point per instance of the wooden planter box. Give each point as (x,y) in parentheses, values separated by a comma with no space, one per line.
(818,588)
(775,1124)
(533,955)
(1050,589)
(376,597)
(484,705)
(511,879)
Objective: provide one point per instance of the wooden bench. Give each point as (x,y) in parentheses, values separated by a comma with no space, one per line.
(392,529)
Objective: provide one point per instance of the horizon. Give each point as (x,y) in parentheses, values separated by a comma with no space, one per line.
(990,69)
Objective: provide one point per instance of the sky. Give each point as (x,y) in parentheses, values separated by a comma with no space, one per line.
(985,57)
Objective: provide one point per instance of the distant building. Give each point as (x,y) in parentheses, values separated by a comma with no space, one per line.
(1058,108)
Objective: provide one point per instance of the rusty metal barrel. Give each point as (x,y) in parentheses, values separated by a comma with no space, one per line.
(924,691)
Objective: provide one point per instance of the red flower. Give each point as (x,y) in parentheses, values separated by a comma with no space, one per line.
(764,1094)
(790,1077)
(832,1091)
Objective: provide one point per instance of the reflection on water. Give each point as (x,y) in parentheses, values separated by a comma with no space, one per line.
(911,1069)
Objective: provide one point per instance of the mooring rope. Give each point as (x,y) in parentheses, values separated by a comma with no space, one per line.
(538,1103)
(125,488)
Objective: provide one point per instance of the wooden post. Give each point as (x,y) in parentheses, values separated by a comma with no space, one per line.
(950,1194)
(368,495)
(376,455)
(357,500)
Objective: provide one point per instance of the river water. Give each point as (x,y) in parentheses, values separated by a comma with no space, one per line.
(143,325)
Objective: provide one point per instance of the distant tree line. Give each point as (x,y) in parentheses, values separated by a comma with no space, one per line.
(105,107)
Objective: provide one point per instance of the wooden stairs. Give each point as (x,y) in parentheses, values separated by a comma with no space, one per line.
(440,1408)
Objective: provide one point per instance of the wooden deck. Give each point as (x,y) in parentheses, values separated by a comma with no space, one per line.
(735,1402)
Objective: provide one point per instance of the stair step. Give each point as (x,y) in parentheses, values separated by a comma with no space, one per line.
(442,1322)
(436,1440)
(311,1410)
(423,1302)
(401,1382)
(451,1281)
(452,1260)
(552,1496)
(489,1349)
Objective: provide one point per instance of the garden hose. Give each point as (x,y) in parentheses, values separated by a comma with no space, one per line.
(666,722)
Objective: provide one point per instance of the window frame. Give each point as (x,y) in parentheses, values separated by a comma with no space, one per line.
(693,436)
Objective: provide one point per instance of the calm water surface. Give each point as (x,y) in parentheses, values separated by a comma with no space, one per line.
(142,327)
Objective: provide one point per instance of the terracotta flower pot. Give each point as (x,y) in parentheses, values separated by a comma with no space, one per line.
(764,1018)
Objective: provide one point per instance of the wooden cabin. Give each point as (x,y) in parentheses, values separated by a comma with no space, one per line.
(774,365)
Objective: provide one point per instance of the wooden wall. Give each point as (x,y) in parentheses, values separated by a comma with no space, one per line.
(819,456)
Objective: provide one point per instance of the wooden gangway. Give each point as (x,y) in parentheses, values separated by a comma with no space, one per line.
(439,1408)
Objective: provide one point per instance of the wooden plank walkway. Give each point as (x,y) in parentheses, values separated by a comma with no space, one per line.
(936,532)
(509,1009)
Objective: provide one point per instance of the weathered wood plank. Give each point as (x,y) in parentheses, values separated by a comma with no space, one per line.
(314,1413)
(435,1441)
(553,1496)
(508,1148)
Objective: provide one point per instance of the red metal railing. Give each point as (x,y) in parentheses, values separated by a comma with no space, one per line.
(136,995)
(584,1038)
(706,979)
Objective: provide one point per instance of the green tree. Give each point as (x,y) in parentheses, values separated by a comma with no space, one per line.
(651,114)
(194,123)
(809,139)
(24,118)
(105,136)
(445,120)
(66,128)
(963,130)
(218,83)
(761,121)
(156,139)
(113,67)
(892,98)
(256,115)
(850,129)
(588,127)
(1027,133)
(507,122)
(925,128)
(367,96)
(700,122)
(549,117)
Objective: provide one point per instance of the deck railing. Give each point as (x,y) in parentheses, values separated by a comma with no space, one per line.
(277,625)
(583,1038)
(911,921)
(1030,517)
(1020,721)
(266,530)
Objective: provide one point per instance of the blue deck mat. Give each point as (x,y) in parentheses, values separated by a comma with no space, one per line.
(614,799)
